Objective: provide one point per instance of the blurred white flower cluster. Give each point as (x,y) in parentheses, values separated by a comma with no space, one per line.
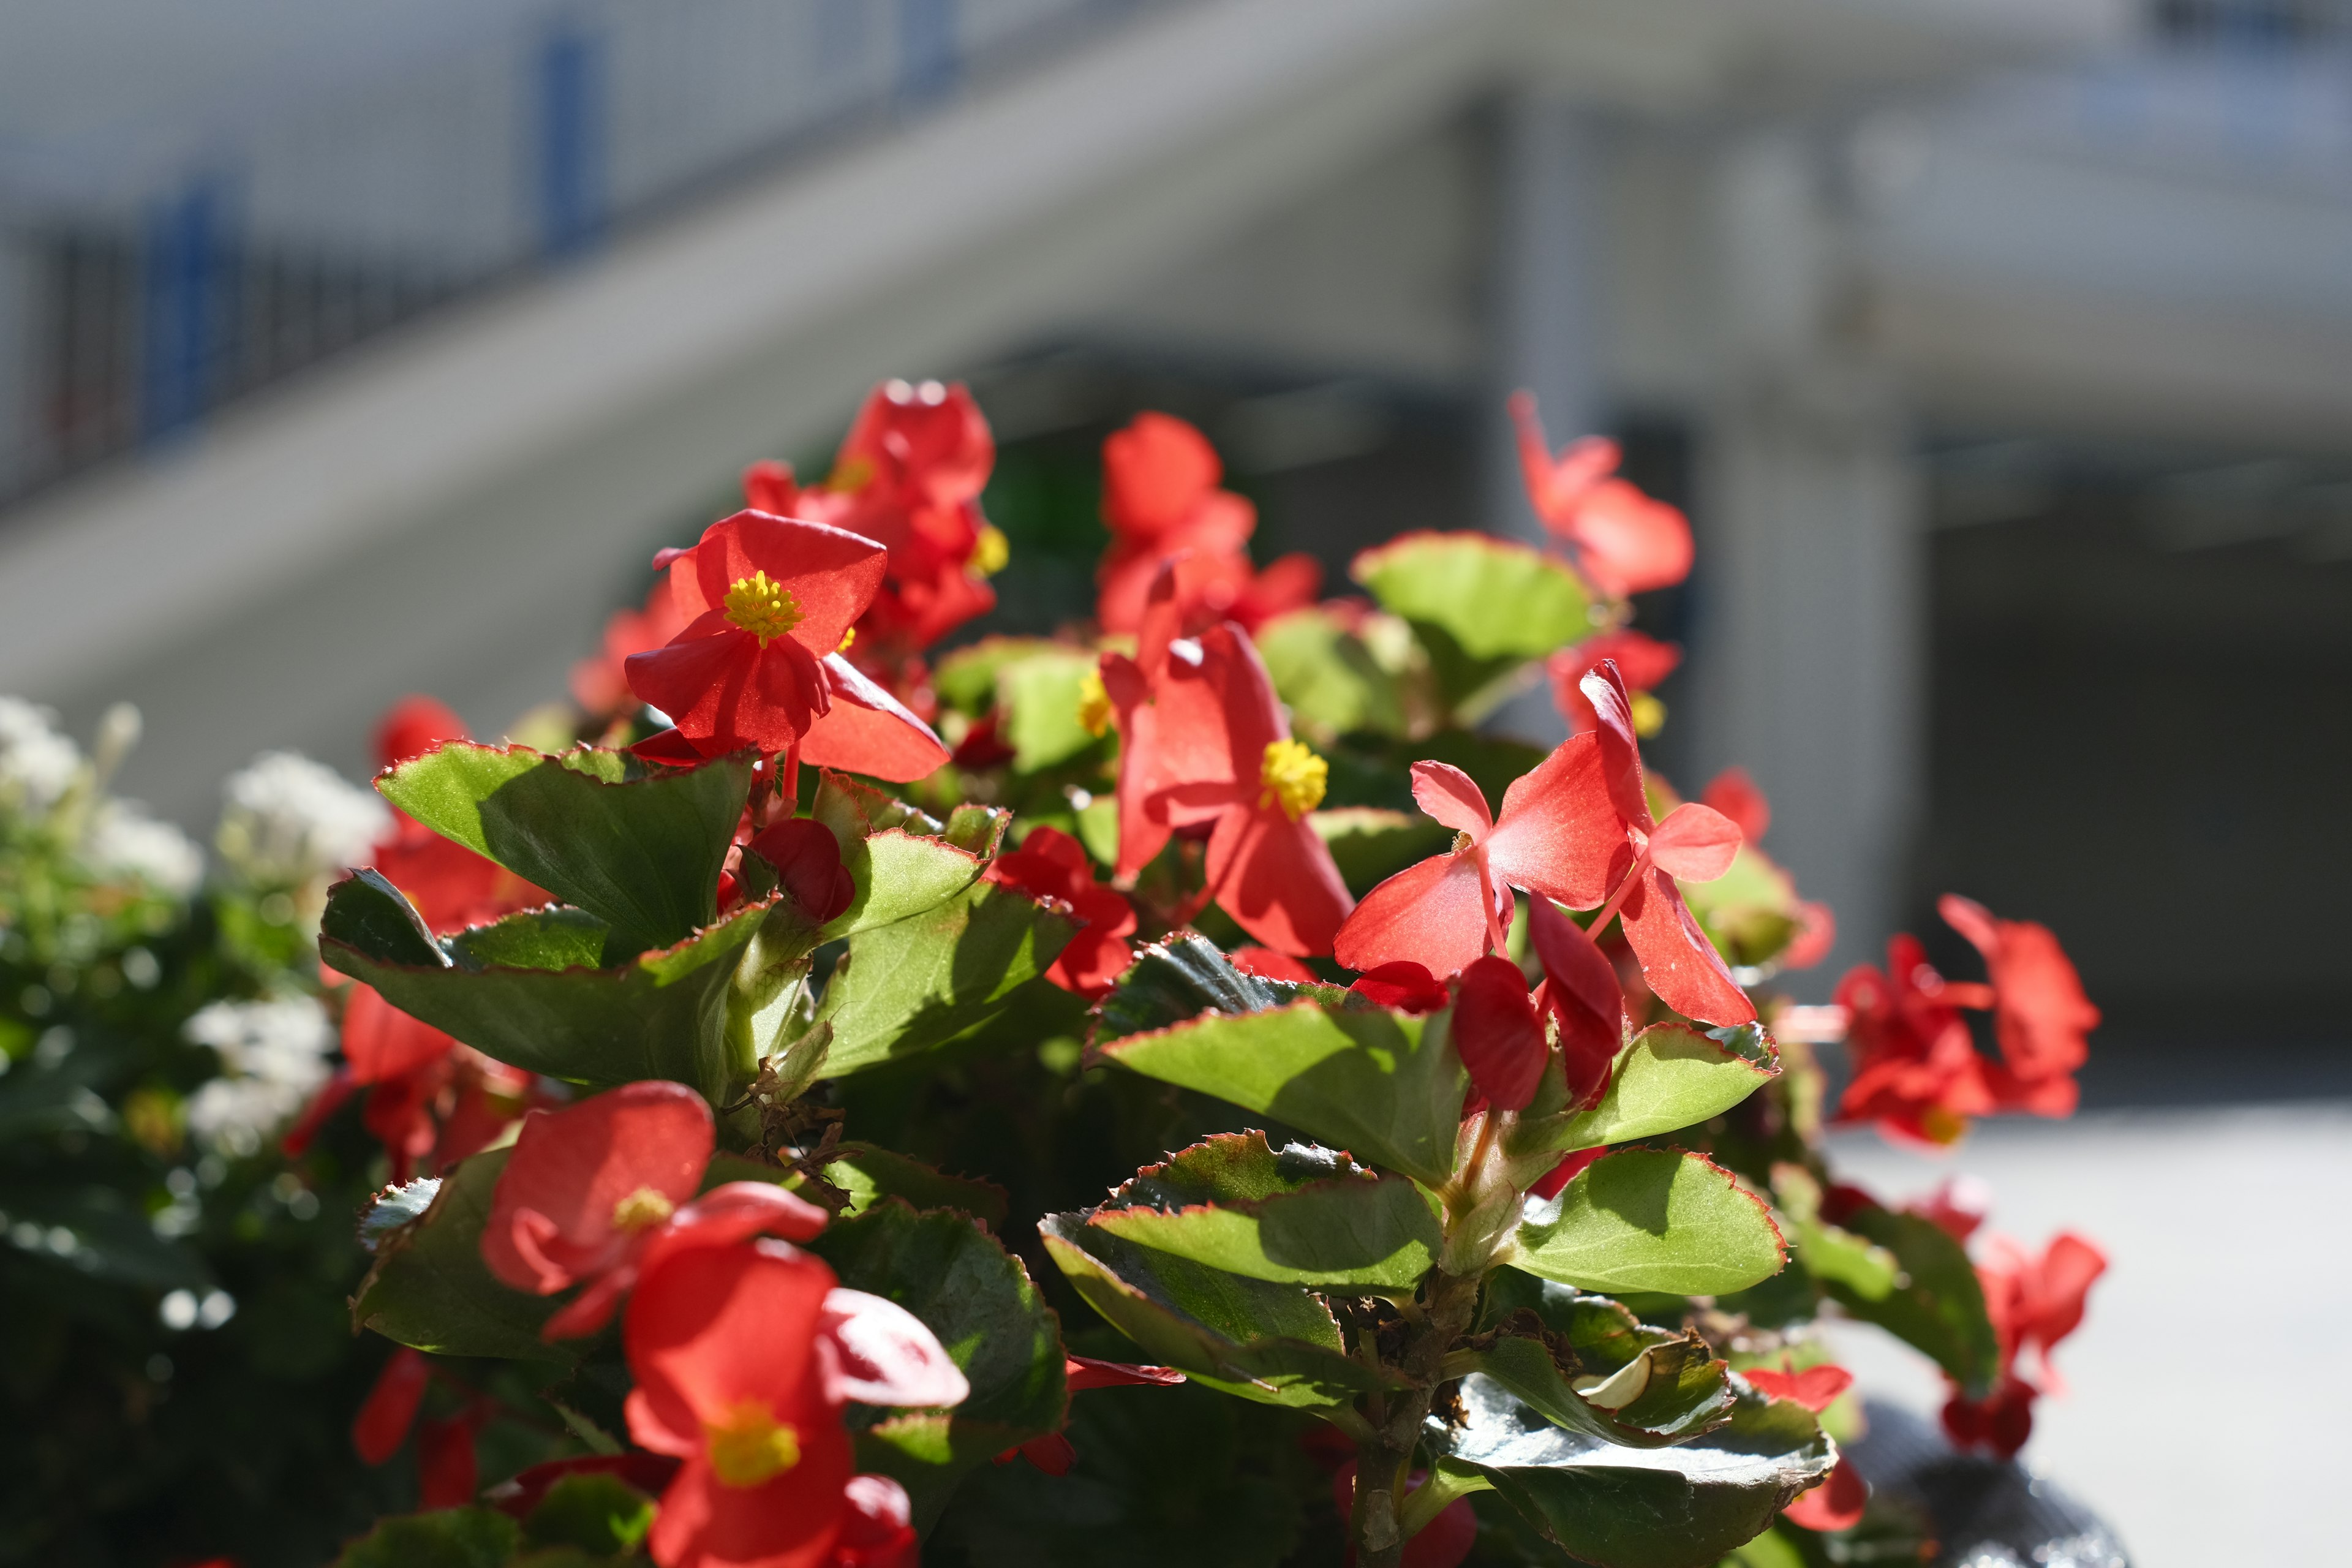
(274,1058)
(40,767)
(37,763)
(290,822)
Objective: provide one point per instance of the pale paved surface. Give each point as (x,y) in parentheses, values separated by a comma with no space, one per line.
(2226,1313)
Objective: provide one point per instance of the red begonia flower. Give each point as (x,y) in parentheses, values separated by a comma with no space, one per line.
(1735,795)
(2035,1302)
(866,731)
(1554,837)
(1958,1206)
(807,861)
(2001,1421)
(391,1407)
(2040,1016)
(1816,1388)
(1497,1033)
(1622,541)
(1050,864)
(599,1192)
(1205,743)
(1695,843)
(1163,503)
(1403,985)
(1643,661)
(1816,935)
(1052,1453)
(1443,1542)
(1571,1164)
(1916,1073)
(382,1043)
(768,598)
(1582,993)
(744,1356)
(909,474)
(1268,965)
(879,1530)
(1833,1504)
(449,1474)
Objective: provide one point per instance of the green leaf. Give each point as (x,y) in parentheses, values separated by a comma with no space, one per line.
(1616,1506)
(1273,1343)
(1937,1307)
(1179,978)
(907,987)
(396,1207)
(1671,1077)
(1681,1390)
(980,1302)
(1302,1217)
(430,1290)
(664,1014)
(1684,1391)
(1654,1219)
(636,845)
(1041,694)
(966,679)
(599,1514)
(1481,606)
(900,875)
(367,912)
(1332,681)
(450,1538)
(870,1174)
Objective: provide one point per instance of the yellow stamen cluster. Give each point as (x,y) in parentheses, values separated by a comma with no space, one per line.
(1293,778)
(764,609)
(849,638)
(749,1447)
(851,476)
(1093,704)
(642,1210)
(992,551)
(1649,715)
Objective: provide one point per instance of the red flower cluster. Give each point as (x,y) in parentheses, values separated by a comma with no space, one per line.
(1163,502)
(745,1349)
(1916,1070)
(1499,1029)
(1576,830)
(1642,663)
(1205,743)
(2035,1303)
(1620,540)
(768,602)
(1836,1502)
(1050,864)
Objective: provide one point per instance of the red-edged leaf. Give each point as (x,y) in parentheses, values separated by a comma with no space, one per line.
(1836,1504)
(1497,1033)
(1694,844)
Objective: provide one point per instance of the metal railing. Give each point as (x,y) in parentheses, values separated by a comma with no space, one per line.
(142,312)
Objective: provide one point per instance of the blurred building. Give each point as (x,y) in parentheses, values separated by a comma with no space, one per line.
(2000,349)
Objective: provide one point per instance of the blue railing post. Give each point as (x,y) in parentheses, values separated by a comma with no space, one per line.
(928,53)
(570,94)
(183,315)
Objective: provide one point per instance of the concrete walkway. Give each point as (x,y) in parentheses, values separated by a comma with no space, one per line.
(2206,1412)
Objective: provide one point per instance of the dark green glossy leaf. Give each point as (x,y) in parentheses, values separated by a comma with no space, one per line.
(1652,1219)
(430,1290)
(980,1302)
(1678,1391)
(1616,1506)
(1273,1344)
(907,987)
(1937,1307)
(1671,1077)
(1386,1088)
(638,846)
(1179,978)
(1605,1338)
(450,1538)
(1303,1216)
(870,1174)
(665,1014)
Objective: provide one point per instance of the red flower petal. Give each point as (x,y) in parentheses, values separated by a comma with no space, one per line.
(1405,985)
(807,860)
(1558,830)
(1833,1504)
(553,1216)
(1694,844)
(831,574)
(1571,1164)
(1620,751)
(886,1355)
(380,1042)
(448,1474)
(1497,1033)
(1580,990)
(879,1532)
(1083,1373)
(1276,879)
(1643,661)
(1449,796)
(769,486)
(1624,542)
(2041,1016)
(1429,915)
(1735,795)
(1268,965)
(1157,471)
(1816,1388)
(1680,964)
(867,730)
(391,1407)
(724,691)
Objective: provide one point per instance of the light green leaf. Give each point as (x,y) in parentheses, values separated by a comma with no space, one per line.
(1041,694)
(1302,1216)
(1330,679)
(1937,1306)
(1481,606)
(1652,1219)
(429,1288)
(636,845)
(1386,1088)
(870,1174)
(1671,1077)
(966,679)
(907,987)
(900,875)
(1273,1343)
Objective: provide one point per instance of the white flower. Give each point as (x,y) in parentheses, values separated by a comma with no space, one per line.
(124,841)
(290,821)
(37,761)
(274,1054)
